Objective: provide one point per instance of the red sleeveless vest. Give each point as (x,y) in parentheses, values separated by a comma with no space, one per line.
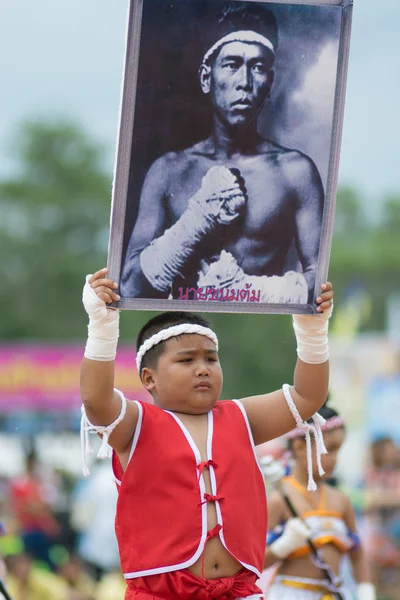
(161,519)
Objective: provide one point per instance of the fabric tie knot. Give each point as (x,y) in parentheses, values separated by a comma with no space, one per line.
(211,498)
(205,465)
(213,532)
(221,589)
(228,588)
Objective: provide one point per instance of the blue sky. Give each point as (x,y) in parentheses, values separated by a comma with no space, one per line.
(63,58)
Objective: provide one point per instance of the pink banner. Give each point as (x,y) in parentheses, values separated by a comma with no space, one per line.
(47,377)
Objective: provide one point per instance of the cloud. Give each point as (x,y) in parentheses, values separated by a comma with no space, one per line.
(316,93)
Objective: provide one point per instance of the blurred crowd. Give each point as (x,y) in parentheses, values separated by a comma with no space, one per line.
(382,516)
(58,539)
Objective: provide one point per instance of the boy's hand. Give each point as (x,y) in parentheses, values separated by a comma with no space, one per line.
(98,292)
(103,328)
(325,300)
(104,288)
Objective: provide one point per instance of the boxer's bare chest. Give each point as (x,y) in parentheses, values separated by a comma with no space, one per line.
(269,200)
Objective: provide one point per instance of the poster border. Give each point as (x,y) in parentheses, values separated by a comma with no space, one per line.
(123,159)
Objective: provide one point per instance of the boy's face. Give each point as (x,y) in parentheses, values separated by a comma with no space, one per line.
(188,376)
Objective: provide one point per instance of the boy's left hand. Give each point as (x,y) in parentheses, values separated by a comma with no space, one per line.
(325,300)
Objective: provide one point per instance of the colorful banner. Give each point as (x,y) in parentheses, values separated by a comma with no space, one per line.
(37,377)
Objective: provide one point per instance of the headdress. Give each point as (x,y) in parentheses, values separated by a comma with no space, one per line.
(243,22)
(174,331)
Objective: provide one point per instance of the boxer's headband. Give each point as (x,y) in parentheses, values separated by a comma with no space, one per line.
(332,423)
(246,35)
(173,331)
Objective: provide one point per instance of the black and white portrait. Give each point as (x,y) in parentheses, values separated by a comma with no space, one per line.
(229,196)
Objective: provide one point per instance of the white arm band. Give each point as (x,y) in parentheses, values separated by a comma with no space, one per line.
(308,429)
(366,591)
(312,337)
(103,328)
(105,431)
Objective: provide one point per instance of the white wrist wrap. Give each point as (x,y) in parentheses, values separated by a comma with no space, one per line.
(163,259)
(312,337)
(103,328)
(366,591)
(294,536)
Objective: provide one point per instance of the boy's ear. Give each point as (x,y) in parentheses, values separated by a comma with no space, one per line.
(148,379)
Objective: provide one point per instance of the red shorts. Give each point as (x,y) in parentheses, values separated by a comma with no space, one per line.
(183,585)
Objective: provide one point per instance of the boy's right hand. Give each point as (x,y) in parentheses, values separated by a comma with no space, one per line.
(97,293)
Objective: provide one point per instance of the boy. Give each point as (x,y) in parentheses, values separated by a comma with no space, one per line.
(191,516)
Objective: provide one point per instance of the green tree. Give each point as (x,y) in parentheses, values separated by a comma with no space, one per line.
(54,227)
(366,256)
(349,219)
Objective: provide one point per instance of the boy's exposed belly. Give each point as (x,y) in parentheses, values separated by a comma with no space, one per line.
(215,561)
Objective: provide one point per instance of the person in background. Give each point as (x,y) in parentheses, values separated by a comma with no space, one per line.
(38,527)
(27,582)
(79,583)
(92,516)
(383,515)
(325,517)
(111,586)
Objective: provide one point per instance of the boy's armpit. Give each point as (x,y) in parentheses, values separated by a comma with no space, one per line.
(269,416)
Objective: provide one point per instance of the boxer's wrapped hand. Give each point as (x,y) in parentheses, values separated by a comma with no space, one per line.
(222,273)
(218,201)
(295,535)
(220,197)
(290,288)
(103,328)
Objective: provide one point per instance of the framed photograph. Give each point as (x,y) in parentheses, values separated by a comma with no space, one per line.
(228,153)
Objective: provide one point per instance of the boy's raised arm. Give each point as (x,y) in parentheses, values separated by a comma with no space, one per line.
(269,414)
(102,403)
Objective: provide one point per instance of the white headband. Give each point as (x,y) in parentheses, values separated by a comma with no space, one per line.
(247,36)
(174,331)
